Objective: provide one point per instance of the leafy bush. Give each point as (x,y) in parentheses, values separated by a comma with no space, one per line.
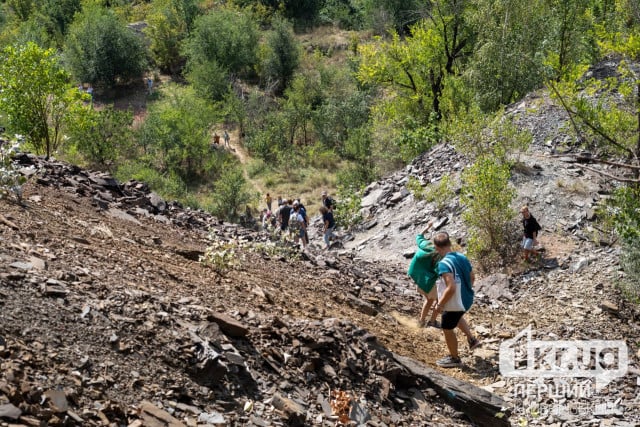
(348,209)
(622,212)
(220,255)
(101,136)
(36,96)
(231,193)
(101,50)
(175,135)
(224,36)
(488,215)
(280,56)
(170,187)
(440,193)
(416,188)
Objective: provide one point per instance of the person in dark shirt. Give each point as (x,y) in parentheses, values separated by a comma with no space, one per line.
(531,228)
(327,201)
(329,224)
(283,215)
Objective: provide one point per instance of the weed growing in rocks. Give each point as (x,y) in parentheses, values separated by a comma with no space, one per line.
(220,255)
(11,180)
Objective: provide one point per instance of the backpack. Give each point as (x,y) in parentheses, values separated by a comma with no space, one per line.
(294,224)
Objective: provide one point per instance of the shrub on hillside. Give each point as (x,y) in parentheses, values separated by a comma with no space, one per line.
(101,50)
(488,215)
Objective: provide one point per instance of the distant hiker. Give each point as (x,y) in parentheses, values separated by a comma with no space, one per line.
(423,269)
(531,228)
(225,135)
(268,200)
(216,138)
(279,200)
(266,215)
(90,92)
(455,297)
(328,225)
(149,85)
(327,201)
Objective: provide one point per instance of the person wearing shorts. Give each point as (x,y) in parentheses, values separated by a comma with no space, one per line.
(455,297)
(530,238)
(423,269)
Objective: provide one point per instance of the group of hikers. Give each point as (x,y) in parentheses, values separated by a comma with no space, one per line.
(290,217)
(445,279)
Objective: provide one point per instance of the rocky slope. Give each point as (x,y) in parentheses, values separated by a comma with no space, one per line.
(108,318)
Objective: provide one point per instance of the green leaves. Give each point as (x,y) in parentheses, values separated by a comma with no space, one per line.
(488,197)
(36,95)
(101,50)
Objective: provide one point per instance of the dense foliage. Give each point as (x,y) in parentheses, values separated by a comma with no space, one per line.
(381,82)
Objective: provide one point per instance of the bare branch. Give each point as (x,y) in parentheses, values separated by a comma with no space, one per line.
(615,178)
(597,160)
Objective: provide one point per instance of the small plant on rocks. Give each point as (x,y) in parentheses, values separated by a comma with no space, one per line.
(416,188)
(221,255)
(440,193)
(11,180)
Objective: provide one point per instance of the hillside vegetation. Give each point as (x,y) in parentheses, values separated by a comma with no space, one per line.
(326,94)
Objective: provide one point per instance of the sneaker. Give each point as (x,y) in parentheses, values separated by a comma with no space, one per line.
(433,324)
(473,343)
(449,362)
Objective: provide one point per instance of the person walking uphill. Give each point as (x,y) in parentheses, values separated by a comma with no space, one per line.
(423,269)
(328,225)
(455,297)
(531,228)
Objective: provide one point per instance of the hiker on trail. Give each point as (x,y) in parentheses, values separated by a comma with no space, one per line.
(327,201)
(268,200)
(328,225)
(283,215)
(531,228)
(455,297)
(149,85)
(303,212)
(279,200)
(423,269)
(216,138)
(265,216)
(225,135)
(297,225)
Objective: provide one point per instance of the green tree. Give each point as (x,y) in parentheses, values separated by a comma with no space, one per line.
(36,95)
(169,23)
(101,50)
(102,136)
(226,36)
(21,8)
(280,56)
(508,60)
(605,117)
(175,134)
(231,193)
(571,37)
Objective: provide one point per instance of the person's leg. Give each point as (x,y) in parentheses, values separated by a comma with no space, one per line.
(450,320)
(473,342)
(452,342)
(326,238)
(527,245)
(464,327)
(426,305)
(433,296)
